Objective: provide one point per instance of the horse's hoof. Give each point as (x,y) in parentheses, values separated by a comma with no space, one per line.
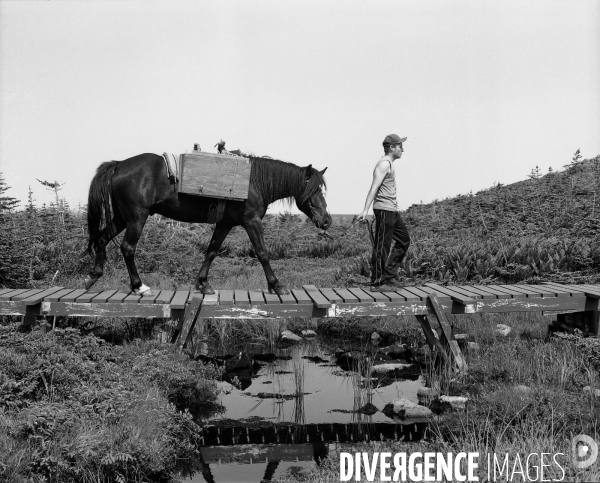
(89,282)
(144,291)
(279,290)
(207,290)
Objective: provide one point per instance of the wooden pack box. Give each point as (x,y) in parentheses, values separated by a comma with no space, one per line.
(214,175)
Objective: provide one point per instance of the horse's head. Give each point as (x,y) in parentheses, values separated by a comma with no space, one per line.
(311,201)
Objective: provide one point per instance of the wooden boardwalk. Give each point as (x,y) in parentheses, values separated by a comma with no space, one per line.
(309,301)
(576,306)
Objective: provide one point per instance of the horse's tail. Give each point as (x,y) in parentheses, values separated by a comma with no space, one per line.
(99,203)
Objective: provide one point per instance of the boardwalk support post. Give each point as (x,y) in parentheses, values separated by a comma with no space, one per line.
(189,319)
(449,344)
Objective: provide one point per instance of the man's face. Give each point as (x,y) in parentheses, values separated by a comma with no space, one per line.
(397,150)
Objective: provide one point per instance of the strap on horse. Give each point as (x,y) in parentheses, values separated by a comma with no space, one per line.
(215,211)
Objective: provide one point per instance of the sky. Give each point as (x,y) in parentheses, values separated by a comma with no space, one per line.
(484,90)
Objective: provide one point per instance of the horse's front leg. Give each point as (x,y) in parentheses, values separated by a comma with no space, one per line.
(254,228)
(219,235)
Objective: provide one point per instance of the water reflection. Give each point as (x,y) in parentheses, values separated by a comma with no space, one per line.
(292,402)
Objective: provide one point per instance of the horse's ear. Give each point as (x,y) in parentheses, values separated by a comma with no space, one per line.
(323,172)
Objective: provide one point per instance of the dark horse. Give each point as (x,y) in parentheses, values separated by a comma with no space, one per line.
(124,193)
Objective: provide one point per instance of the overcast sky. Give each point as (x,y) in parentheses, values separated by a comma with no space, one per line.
(484,90)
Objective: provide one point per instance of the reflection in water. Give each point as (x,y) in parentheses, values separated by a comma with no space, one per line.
(282,416)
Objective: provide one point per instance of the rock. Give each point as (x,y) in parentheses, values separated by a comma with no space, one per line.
(241,362)
(389,367)
(426,394)
(588,390)
(381,356)
(309,333)
(368,409)
(457,402)
(289,335)
(406,409)
(502,330)
(350,360)
(473,347)
(375,336)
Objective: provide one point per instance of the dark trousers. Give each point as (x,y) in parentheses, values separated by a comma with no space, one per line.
(385,265)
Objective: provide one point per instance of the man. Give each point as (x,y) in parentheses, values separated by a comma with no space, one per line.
(388,224)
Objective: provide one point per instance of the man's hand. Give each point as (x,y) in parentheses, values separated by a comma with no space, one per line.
(362,217)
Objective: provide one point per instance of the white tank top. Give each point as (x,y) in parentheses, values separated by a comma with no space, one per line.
(386,198)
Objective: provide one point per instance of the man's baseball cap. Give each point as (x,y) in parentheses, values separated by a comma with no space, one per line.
(393,139)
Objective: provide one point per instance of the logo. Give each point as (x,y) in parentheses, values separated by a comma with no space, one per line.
(584,451)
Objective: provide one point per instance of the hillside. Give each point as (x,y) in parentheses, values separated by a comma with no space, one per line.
(556,203)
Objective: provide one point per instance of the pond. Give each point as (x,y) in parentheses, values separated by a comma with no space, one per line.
(285,405)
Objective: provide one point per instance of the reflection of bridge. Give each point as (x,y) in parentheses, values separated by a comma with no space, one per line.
(285,442)
(312,433)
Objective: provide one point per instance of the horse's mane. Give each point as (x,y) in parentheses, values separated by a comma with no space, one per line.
(279,180)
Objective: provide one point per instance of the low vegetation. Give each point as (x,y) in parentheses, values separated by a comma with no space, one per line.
(76,408)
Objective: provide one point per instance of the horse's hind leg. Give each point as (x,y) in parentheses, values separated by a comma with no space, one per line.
(219,235)
(128,247)
(117,225)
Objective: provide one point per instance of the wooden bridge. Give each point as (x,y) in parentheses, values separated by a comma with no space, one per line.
(577,306)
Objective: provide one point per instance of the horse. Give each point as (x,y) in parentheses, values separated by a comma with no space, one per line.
(123,194)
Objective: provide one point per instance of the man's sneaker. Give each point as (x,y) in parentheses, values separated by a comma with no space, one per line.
(382,288)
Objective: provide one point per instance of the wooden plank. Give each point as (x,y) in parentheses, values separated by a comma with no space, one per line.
(208,299)
(429,291)
(395,297)
(215,175)
(9,295)
(88,296)
(454,295)
(256,297)
(39,297)
(347,296)
(433,342)
(189,319)
(108,309)
(71,297)
(318,300)
(331,295)
(164,297)
(498,293)
(241,297)
(446,334)
(505,289)
(118,297)
(409,296)
(287,298)
(301,297)
(570,290)
(179,299)
(132,298)
(380,296)
(420,293)
(55,297)
(6,291)
(271,298)
(103,296)
(361,295)
(531,293)
(469,289)
(261,311)
(226,297)
(22,296)
(150,299)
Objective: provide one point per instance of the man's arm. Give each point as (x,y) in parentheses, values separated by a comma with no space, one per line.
(378,174)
